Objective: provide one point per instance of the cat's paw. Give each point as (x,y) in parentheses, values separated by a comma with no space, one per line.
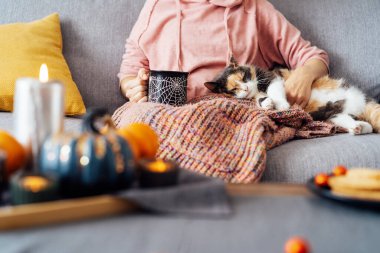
(282,106)
(361,127)
(267,104)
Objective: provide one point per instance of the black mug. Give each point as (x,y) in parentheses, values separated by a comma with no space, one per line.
(168,87)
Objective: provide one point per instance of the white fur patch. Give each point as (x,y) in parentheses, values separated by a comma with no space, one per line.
(355,102)
(353,126)
(354,98)
(276,91)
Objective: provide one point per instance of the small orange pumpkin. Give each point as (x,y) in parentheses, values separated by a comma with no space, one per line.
(16,156)
(142,138)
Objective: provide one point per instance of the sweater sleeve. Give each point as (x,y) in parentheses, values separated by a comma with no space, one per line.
(134,57)
(280,42)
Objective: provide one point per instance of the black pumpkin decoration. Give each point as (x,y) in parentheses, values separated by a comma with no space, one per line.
(96,161)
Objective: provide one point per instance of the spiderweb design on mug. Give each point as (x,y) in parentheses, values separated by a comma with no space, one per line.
(168,90)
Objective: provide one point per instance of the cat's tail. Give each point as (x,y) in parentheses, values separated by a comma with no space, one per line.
(371,114)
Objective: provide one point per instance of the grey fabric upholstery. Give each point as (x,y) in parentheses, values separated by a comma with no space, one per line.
(298,160)
(94,32)
(6,123)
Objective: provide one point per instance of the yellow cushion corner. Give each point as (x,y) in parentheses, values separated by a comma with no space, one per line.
(23,48)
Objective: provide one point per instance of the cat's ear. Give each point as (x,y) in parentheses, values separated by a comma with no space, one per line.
(213,86)
(233,62)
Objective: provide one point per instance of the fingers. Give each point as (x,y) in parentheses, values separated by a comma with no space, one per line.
(132,92)
(138,96)
(143,74)
(304,103)
(136,89)
(144,99)
(291,98)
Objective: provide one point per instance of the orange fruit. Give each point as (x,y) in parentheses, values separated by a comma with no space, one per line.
(14,151)
(297,245)
(321,179)
(144,138)
(339,170)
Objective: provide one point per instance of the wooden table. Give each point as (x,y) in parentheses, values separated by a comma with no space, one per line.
(101,206)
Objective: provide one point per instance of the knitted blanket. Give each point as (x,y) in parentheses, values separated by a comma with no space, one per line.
(221,137)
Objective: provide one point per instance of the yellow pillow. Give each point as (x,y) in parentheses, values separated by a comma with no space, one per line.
(23,48)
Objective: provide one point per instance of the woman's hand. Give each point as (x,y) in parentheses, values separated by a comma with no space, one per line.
(298,88)
(298,85)
(135,88)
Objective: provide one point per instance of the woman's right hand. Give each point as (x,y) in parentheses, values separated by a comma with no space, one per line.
(136,88)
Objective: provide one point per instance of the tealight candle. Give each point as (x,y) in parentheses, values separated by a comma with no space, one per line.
(157,173)
(32,188)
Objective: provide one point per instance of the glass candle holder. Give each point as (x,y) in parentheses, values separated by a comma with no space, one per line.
(157,173)
(32,188)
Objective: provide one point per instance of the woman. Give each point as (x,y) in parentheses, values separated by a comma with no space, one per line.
(199,36)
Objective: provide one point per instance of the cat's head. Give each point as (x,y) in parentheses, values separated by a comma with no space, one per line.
(237,81)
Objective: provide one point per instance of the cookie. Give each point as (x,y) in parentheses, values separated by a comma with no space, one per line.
(358,194)
(364,173)
(354,183)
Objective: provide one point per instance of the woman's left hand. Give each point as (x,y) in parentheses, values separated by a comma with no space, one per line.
(298,87)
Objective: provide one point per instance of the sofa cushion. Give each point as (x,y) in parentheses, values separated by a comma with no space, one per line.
(297,161)
(24,47)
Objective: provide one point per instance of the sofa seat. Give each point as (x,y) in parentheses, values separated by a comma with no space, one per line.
(298,160)
(6,123)
(295,161)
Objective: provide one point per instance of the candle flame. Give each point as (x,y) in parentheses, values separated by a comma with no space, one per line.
(44,73)
(34,183)
(159,166)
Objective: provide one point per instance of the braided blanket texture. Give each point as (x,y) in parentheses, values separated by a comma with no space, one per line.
(222,137)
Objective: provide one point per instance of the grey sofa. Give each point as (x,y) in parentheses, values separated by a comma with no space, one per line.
(94,33)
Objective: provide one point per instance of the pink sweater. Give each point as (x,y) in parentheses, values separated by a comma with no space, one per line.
(198,36)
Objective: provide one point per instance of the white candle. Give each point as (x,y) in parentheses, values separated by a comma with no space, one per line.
(38,110)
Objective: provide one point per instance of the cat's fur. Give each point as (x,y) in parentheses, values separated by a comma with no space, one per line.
(331,99)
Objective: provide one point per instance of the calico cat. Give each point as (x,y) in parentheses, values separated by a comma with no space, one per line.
(331,99)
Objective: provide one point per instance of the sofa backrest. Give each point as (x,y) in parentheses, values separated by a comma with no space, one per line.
(94,33)
(349,30)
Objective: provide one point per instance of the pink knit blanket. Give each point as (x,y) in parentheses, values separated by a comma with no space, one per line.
(221,137)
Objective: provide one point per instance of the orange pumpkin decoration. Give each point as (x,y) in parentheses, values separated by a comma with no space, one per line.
(16,156)
(142,138)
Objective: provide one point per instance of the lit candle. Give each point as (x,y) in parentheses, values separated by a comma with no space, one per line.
(157,173)
(32,188)
(159,166)
(38,111)
(34,183)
